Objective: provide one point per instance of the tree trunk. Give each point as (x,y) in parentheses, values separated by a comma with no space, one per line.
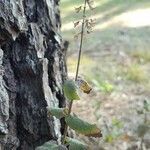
(32,70)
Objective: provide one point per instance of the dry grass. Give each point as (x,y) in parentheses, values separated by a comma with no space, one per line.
(136,73)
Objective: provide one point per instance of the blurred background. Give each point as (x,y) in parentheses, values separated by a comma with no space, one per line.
(116,62)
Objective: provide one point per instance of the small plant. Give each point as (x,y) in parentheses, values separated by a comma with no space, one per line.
(144,127)
(74,122)
(70,91)
(136,73)
(103,86)
(141,55)
(113,132)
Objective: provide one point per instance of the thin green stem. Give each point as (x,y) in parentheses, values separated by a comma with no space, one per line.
(66,126)
(78,65)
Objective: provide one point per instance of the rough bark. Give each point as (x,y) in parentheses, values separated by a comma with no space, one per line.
(32,70)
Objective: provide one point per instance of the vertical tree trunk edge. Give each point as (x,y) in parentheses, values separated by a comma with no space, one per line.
(32,71)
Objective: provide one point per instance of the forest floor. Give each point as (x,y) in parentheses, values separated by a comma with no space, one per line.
(116,62)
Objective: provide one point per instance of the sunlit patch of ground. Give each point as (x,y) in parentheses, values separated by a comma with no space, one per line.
(133,19)
(136,18)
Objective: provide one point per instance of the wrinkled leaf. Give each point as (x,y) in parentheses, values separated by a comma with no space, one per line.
(83,127)
(76,145)
(57,112)
(49,146)
(83,85)
(142,129)
(70,90)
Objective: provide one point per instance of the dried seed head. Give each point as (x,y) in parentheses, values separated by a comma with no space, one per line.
(76,23)
(78,9)
(90,4)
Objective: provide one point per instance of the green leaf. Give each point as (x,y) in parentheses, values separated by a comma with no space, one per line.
(70,90)
(57,112)
(142,129)
(76,145)
(48,146)
(83,127)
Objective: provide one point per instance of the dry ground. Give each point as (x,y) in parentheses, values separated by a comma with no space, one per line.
(116,62)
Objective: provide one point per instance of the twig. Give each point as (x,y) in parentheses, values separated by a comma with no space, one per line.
(78,64)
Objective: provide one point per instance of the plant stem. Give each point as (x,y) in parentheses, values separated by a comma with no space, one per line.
(78,64)
(81,40)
